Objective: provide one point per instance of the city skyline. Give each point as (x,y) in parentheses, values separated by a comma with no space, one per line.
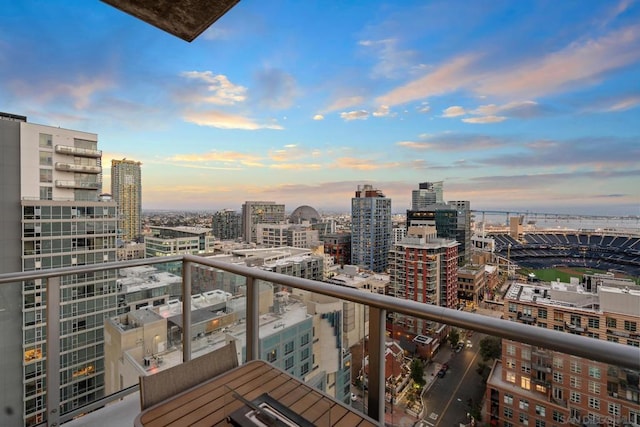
(525,105)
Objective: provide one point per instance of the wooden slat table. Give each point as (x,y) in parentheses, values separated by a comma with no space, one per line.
(211,402)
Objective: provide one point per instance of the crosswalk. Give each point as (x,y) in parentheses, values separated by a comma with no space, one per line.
(424,422)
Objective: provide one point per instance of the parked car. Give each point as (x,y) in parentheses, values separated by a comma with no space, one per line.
(445,367)
(442,373)
(459,347)
(469,344)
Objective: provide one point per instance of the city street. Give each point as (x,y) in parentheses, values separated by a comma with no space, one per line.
(449,398)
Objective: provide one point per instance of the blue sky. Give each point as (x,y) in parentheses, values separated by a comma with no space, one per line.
(530,105)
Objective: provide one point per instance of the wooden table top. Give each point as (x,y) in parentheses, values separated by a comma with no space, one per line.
(210,403)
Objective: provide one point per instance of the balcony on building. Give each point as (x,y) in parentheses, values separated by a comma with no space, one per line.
(188,331)
(78,184)
(80,152)
(71,167)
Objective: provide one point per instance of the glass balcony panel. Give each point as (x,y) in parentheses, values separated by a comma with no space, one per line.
(218,311)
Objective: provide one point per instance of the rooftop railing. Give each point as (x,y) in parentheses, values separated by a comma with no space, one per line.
(379,305)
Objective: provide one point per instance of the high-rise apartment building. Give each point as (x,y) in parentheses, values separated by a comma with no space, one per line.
(259,213)
(539,387)
(126,188)
(423,268)
(51,215)
(226,224)
(428,193)
(452,220)
(371,235)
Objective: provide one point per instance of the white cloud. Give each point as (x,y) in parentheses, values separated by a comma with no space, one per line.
(222,91)
(318,117)
(447,78)
(382,111)
(485,119)
(624,104)
(354,115)
(453,111)
(578,63)
(222,120)
(582,62)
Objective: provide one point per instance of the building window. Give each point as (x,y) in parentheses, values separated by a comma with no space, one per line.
(557,377)
(557,362)
(46,175)
(46,158)
(525,383)
(540,410)
(524,404)
(508,413)
(594,402)
(46,141)
(594,372)
(614,409)
(575,382)
(272,356)
(558,316)
(576,368)
(304,339)
(542,313)
(511,350)
(288,363)
(304,354)
(611,322)
(511,363)
(633,343)
(508,399)
(512,307)
(526,354)
(288,347)
(46,193)
(304,369)
(540,423)
(511,377)
(558,417)
(594,322)
(526,367)
(574,397)
(594,387)
(524,419)
(630,326)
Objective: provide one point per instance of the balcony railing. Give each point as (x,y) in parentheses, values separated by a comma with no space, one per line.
(70,167)
(84,152)
(600,350)
(78,184)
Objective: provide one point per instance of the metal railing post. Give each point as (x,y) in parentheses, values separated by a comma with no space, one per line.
(376,364)
(186,310)
(53,351)
(253,319)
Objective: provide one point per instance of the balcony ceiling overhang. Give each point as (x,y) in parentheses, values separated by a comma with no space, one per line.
(186,19)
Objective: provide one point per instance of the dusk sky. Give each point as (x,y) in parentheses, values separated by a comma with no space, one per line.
(515,105)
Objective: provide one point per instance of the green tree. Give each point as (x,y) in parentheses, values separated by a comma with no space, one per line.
(490,348)
(454,337)
(417,372)
(483,370)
